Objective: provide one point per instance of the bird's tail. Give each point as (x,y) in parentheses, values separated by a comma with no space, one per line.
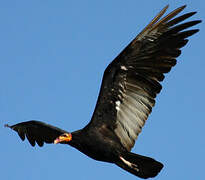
(141,166)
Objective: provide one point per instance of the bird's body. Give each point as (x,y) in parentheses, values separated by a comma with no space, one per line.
(129,87)
(107,144)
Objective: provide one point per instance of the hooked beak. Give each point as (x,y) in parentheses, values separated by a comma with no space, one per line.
(66,137)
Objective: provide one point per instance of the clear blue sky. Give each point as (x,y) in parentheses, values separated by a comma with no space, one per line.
(53,54)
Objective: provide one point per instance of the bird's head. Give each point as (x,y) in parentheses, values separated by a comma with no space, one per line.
(63,139)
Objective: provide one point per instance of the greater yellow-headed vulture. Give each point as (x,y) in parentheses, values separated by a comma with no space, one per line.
(129,87)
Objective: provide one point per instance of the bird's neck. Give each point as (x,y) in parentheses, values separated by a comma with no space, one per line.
(77,139)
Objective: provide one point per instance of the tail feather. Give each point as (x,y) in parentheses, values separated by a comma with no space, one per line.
(141,166)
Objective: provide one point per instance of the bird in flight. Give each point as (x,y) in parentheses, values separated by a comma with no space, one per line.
(128,91)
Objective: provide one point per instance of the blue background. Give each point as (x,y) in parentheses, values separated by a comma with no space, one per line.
(53,54)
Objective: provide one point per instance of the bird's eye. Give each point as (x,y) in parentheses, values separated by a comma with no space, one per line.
(64,135)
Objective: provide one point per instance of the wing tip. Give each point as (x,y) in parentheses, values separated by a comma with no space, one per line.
(195,31)
(183,7)
(192,13)
(179,8)
(198,21)
(7,126)
(166,7)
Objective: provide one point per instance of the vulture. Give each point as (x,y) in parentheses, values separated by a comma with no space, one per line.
(127,95)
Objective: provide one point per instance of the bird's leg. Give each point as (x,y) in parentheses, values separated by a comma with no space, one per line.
(129,163)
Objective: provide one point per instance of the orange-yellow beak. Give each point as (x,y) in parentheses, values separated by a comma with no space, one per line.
(66,137)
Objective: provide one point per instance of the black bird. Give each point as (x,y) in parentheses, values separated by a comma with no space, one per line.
(129,87)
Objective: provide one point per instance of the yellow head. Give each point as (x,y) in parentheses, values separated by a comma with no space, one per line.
(64,138)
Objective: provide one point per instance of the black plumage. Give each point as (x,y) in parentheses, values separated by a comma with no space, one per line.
(129,87)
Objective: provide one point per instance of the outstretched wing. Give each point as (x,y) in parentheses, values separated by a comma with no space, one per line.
(132,81)
(37,131)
